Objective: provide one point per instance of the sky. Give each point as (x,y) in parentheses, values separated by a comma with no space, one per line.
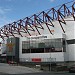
(13,10)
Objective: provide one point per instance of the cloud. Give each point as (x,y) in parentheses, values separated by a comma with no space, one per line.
(1,11)
(29,0)
(9,0)
(52,0)
(3,18)
(4,10)
(4,21)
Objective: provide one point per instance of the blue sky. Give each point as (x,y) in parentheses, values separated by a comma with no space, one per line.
(13,10)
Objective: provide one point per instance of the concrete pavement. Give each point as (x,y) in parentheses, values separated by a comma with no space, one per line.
(10,69)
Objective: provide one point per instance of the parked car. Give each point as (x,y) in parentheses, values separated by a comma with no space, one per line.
(72,69)
(12,62)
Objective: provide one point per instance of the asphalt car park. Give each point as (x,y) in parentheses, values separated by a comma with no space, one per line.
(72,69)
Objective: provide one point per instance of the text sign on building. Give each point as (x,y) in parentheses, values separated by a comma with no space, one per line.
(39,37)
(36,59)
(10,46)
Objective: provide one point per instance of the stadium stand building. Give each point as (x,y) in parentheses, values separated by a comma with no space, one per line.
(48,36)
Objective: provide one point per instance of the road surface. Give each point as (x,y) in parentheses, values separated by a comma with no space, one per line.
(6,69)
(11,69)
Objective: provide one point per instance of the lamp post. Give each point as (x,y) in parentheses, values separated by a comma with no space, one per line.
(51,59)
(51,49)
(50,62)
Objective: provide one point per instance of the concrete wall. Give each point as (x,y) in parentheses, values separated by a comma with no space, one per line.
(45,57)
(70,30)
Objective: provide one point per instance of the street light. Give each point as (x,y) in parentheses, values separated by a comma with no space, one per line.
(50,61)
(52,48)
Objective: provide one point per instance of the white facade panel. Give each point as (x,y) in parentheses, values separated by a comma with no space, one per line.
(56,57)
(70,35)
(71,52)
(70,28)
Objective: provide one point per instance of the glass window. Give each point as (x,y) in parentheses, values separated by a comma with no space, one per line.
(41,50)
(47,45)
(25,50)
